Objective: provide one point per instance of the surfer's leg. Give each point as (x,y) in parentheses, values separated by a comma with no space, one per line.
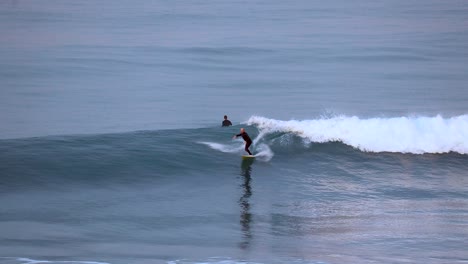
(247,145)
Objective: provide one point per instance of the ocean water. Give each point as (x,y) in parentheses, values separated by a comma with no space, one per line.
(112,150)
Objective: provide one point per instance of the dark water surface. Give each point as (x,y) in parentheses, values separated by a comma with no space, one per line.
(111,150)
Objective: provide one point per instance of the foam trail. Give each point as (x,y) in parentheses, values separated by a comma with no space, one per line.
(416,135)
(222,147)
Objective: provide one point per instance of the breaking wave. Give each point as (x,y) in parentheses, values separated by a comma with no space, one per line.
(417,135)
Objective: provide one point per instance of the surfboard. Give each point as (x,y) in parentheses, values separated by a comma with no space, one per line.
(248,156)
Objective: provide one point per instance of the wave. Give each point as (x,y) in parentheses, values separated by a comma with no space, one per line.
(416,135)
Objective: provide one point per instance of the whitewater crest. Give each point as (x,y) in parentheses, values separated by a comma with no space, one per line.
(417,135)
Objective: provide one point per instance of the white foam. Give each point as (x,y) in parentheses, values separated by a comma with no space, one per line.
(398,134)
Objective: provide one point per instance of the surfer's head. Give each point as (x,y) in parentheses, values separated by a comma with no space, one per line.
(242,130)
(225,117)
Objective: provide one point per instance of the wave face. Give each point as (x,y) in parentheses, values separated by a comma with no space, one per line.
(417,135)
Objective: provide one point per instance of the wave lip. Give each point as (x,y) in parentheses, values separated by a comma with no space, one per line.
(417,135)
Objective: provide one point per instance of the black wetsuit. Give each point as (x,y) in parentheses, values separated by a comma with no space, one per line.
(248,141)
(227,123)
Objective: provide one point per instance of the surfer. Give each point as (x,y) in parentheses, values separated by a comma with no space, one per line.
(246,138)
(226,122)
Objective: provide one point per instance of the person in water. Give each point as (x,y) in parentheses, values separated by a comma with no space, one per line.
(226,122)
(246,138)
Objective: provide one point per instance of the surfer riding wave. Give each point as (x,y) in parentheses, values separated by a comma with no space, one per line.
(246,138)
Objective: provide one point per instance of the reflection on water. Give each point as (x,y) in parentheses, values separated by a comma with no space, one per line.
(246,216)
